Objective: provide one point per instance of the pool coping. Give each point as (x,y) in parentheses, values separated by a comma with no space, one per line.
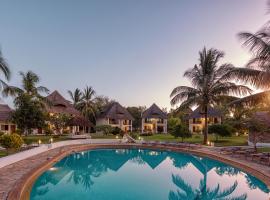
(23,187)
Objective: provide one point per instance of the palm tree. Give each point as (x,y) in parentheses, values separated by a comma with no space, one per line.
(203,192)
(76,97)
(208,85)
(4,68)
(87,104)
(257,70)
(29,87)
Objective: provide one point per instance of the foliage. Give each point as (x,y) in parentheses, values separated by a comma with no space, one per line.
(209,84)
(1,133)
(172,123)
(181,131)
(59,121)
(136,113)
(48,130)
(11,141)
(106,129)
(76,97)
(134,135)
(4,69)
(116,130)
(28,113)
(222,130)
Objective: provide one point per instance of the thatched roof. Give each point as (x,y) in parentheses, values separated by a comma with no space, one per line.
(5,112)
(263,116)
(60,105)
(115,111)
(154,112)
(80,121)
(198,113)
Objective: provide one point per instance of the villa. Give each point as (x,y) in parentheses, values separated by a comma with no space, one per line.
(116,115)
(154,120)
(196,119)
(6,126)
(59,105)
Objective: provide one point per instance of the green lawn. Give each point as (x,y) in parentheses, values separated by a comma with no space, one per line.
(44,139)
(3,153)
(222,141)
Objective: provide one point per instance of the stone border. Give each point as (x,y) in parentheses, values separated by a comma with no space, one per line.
(23,187)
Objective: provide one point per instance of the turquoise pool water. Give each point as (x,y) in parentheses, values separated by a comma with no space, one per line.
(144,175)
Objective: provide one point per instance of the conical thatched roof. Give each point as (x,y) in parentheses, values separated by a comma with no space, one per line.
(115,111)
(60,105)
(154,112)
(212,112)
(5,112)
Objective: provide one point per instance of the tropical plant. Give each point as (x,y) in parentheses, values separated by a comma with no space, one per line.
(172,123)
(76,97)
(59,122)
(209,85)
(203,192)
(136,113)
(11,141)
(182,131)
(87,105)
(4,68)
(222,130)
(105,129)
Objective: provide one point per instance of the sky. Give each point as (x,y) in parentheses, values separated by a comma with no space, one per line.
(133,51)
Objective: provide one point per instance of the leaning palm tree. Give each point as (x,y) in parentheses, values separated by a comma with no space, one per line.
(208,85)
(29,87)
(87,104)
(4,68)
(76,97)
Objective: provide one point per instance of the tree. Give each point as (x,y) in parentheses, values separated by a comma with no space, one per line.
(257,70)
(209,84)
(87,105)
(76,97)
(28,114)
(222,130)
(181,131)
(172,123)
(136,113)
(59,121)
(4,69)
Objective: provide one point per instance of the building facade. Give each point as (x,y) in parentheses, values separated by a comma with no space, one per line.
(6,126)
(154,120)
(116,115)
(197,120)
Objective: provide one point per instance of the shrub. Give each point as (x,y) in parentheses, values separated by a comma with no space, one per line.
(134,135)
(11,141)
(222,130)
(1,133)
(48,131)
(106,129)
(65,132)
(147,134)
(181,131)
(116,131)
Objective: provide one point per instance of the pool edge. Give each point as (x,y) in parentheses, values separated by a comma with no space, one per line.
(23,187)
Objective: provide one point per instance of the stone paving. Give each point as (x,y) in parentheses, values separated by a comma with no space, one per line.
(12,175)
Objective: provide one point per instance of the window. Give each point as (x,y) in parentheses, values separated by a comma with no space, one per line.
(216,120)
(4,127)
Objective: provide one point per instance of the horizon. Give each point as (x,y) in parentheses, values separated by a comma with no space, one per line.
(132,52)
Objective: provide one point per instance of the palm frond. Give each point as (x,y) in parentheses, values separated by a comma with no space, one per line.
(4,67)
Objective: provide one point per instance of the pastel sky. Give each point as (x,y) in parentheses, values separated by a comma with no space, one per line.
(134,51)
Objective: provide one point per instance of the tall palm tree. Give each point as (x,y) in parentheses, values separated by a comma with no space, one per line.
(87,104)
(208,85)
(29,87)
(257,70)
(4,68)
(76,97)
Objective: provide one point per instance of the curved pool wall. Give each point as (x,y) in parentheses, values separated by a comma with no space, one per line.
(144,174)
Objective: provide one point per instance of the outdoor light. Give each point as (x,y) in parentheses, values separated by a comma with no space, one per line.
(51,140)
(208,143)
(116,137)
(139,138)
(39,142)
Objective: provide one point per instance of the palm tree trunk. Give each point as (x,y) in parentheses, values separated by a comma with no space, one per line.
(205,132)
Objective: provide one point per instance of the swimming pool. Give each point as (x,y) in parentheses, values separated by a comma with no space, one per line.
(133,174)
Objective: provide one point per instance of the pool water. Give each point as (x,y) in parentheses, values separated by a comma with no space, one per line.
(138,174)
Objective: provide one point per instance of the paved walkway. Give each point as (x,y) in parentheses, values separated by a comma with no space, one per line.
(7,160)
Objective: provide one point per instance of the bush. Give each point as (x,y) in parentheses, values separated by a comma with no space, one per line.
(11,141)
(116,131)
(181,131)
(48,131)
(146,134)
(1,133)
(134,135)
(106,129)
(222,130)
(65,132)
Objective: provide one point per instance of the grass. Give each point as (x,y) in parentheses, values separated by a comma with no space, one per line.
(3,153)
(222,141)
(44,138)
(101,136)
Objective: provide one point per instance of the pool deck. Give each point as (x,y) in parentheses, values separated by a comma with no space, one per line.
(16,178)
